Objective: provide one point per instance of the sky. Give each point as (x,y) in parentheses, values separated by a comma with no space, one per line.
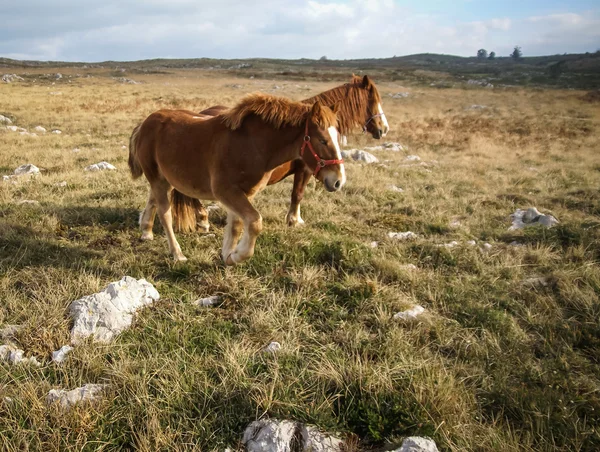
(126,30)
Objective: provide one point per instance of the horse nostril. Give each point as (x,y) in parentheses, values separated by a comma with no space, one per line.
(337,184)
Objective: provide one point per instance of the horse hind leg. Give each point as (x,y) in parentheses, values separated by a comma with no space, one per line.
(147,218)
(161,191)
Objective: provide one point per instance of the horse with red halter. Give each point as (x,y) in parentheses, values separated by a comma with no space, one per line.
(359,105)
(230,158)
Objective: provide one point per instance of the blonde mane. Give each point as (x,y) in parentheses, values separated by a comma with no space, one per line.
(276,111)
(355,102)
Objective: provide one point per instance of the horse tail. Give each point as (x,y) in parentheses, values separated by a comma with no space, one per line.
(134,163)
(183,211)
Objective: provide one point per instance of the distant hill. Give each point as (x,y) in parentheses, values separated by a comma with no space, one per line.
(565,71)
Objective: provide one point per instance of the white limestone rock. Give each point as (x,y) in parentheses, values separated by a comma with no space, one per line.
(39,129)
(396,189)
(9,78)
(531,217)
(394,147)
(104,315)
(417,444)
(408,235)
(56,132)
(13,355)
(28,168)
(27,202)
(410,314)
(102,166)
(61,354)
(272,435)
(5,120)
(66,399)
(412,158)
(360,156)
(273,347)
(208,301)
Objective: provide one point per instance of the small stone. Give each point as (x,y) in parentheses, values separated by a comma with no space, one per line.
(408,267)
(408,235)
(208,301)
(531,217)
(29,202)
(417,444)
(56,132)
(451,244)
(273,347)
(374,244)
(537,281)
(61,184)
(396,189)
(410,314)
(27,169)
(61,354)
(5,120)
(104,315)
(102,166)
(394,147)
(471,243)
(66,399)
(412,158)
(39,129)
(487,246)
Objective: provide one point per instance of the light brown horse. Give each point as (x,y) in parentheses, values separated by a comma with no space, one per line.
(230,158)
(359,105)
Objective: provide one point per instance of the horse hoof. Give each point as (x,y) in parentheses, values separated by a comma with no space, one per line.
(180,259)
(146,237)
(229,260)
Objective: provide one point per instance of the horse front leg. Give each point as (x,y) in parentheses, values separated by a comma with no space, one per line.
(301,179)
(240,209)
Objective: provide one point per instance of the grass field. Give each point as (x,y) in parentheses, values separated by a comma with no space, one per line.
(500,361)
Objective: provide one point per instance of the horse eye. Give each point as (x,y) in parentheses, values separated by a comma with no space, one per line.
(323,141)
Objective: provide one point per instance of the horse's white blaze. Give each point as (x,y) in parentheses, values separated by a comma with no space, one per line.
(333,133)
(386,126)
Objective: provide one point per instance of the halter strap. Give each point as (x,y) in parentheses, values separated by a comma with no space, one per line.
(320,162)
(370,119)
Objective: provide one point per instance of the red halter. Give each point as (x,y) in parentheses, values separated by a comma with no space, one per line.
(320,162)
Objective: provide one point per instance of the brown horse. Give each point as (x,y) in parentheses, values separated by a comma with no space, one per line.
(230,158)
(359,105)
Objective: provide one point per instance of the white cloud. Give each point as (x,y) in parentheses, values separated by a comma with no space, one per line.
(130,30)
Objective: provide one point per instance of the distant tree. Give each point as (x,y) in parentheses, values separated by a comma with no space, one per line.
(517,53)
(482,53)
(323,58)
(492,56)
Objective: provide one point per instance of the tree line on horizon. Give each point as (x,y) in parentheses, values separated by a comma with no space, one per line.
(483,54)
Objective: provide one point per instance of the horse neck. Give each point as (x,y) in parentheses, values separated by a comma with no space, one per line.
(280,145)
(354,113)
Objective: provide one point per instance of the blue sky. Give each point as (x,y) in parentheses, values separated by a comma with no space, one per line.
(85,30)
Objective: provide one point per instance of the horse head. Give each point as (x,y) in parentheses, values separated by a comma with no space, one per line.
(321,141)
(376,122)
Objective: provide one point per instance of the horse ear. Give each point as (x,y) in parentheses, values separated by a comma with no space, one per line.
(366,81)
(316,110)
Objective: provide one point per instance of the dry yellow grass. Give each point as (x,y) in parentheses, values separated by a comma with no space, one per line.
(495,364)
